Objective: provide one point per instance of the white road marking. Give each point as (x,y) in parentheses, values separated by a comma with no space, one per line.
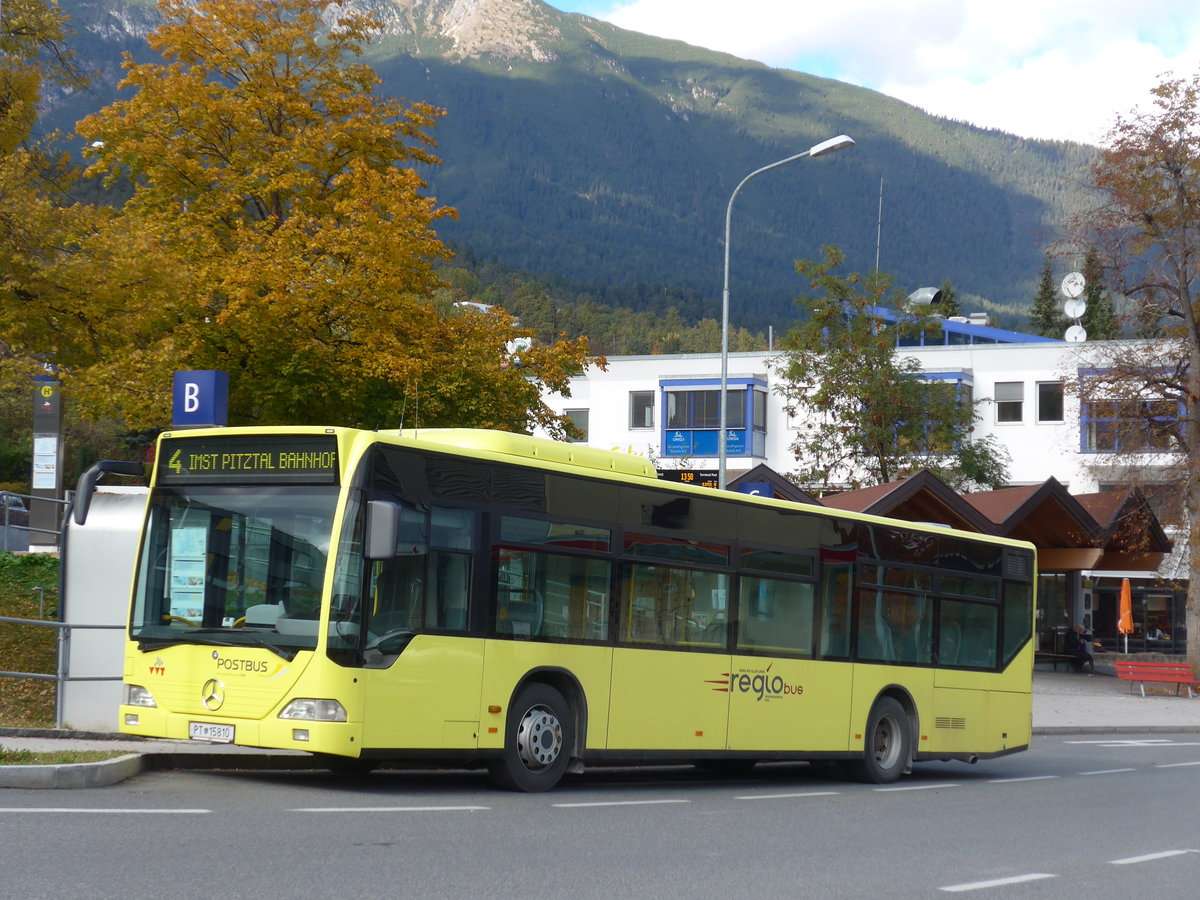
(1145,742)
(917,787)
(1133,741)
(618,803)
(101,811)
(786,796)
(996,882)
(388,809)
(1025,778)
(1107,771)
(1175,765)
(1149,857)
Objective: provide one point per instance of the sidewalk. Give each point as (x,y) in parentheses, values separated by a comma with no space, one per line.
(1063,703)
(1072,702)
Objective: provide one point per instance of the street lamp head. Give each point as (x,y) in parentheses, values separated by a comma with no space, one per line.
(841,142)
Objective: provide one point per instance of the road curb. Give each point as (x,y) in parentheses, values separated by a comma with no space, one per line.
(73,775)
(1115,729)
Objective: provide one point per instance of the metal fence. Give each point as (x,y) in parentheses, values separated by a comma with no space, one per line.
(62,675)
(16,537)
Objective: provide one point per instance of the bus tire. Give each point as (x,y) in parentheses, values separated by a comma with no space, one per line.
(887,744)
(537,743)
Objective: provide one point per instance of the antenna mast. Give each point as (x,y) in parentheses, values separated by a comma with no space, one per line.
(879,223)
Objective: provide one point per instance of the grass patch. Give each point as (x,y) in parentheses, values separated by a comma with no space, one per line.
(56,758)
(28,702)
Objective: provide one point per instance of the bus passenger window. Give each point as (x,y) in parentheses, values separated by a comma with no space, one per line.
(681,607)
(519,602)
(775,615)
(551,595)
(835,611)
(425,586)
(1018,617)
(967,634)
(893,627)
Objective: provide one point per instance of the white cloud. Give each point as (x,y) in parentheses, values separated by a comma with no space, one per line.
(1039,68)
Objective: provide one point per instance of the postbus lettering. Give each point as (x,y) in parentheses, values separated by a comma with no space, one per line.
(241,665)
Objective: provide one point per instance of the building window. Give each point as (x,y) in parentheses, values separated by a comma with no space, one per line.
(641,409)
(1010,398)
(702,409)
(1130,426)
(579,418)
(759,416)
(1050,401)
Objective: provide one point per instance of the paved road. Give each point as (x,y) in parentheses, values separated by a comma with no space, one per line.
(1078,816)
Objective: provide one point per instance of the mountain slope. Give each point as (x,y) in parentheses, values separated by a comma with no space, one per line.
(602,158)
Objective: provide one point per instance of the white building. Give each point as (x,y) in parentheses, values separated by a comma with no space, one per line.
(666,408)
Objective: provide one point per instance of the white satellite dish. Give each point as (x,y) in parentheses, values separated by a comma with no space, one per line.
(1075,308)
(1076,334)
(1073,285)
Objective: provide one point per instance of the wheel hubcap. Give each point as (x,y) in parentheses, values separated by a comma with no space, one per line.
(887,742)
(539,738)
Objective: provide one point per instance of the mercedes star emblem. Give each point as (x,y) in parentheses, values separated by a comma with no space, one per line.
(213,694)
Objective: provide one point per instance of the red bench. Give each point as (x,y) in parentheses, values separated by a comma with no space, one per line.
(1143,672)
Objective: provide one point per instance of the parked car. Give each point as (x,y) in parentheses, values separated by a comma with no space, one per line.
(13,510)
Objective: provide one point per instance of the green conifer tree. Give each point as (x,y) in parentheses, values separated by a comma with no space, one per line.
(1046,317)
(949,306)
(1100,318)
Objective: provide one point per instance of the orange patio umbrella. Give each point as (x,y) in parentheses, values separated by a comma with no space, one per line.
(1125,623)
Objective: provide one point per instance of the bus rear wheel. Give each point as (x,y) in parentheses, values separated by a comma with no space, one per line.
(537,743)
(887,744)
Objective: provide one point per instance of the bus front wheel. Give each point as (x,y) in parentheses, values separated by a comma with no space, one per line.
(887,744)
(537,742)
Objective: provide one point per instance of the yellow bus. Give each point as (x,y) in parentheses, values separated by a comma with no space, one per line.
(482,598)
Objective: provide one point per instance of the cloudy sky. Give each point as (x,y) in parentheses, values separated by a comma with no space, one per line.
(1038,68)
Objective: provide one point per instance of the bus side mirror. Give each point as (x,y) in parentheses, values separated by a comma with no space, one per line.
(383,529)
(87,482)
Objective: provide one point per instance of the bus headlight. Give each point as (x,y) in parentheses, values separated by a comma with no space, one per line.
(136,695)
(314,710)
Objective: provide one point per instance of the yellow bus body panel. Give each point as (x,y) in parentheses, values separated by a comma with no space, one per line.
(981,712)
(508,662)
(788,704)
(428,698)
(663,700)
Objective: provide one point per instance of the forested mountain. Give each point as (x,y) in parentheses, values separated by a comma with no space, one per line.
(601,160)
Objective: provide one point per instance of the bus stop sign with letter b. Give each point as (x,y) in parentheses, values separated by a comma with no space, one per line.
(201,399)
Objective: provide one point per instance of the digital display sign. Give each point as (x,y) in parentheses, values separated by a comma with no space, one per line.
(245,459)
(700,477)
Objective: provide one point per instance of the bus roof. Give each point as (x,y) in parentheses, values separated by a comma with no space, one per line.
(526,447)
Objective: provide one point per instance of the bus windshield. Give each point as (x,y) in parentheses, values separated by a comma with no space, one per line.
(234,566)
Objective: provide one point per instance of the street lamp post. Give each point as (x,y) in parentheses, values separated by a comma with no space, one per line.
(832,145)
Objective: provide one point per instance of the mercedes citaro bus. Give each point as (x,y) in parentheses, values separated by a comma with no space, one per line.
(483,598)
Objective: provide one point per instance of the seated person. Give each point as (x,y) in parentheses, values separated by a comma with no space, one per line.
(1154,633)
(1080,649)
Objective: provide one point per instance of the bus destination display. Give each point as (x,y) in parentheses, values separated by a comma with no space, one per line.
(283,459)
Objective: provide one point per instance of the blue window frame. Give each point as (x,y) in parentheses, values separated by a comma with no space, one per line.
(691,419)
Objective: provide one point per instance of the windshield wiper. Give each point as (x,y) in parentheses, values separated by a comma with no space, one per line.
(192,636)
(205,636)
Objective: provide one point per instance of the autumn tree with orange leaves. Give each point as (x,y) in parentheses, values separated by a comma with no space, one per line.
(278,230)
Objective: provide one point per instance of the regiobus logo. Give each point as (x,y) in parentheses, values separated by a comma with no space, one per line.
(759,682)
